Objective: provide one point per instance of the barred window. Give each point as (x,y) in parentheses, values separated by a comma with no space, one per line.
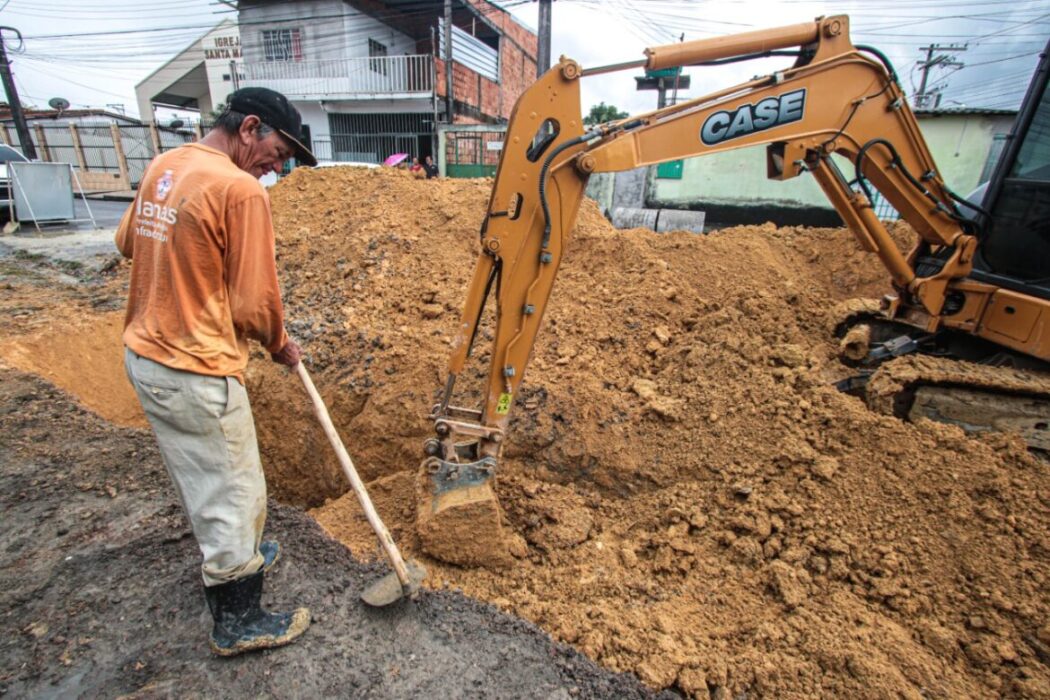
(282,45)
(376,54)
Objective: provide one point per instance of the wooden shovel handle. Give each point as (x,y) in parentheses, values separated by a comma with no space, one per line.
(385,539)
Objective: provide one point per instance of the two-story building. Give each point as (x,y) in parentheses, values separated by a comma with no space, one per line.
(368,76)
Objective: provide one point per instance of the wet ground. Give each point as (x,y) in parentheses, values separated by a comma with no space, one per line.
(83,244)
(100,588)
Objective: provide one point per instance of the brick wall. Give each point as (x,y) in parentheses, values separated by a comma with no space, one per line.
(490,97)
(510,27)
(517,72)
(481,99)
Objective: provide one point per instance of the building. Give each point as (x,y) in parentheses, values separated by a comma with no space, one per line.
(368,75)
(197,78)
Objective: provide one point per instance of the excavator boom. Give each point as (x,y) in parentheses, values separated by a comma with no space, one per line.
(836,102)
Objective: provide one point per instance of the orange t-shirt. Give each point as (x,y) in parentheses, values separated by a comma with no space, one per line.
(203,275)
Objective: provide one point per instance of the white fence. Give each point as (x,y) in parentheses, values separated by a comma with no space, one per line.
(389,76)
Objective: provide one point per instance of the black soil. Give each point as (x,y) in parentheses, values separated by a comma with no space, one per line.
(100,590)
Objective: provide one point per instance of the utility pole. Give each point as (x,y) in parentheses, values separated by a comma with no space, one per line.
(543,51)
(449,91)
(922,98)
(28,149)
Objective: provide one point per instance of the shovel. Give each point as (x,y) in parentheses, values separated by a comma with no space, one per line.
(405,580)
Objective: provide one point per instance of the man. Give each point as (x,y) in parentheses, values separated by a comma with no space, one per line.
(204,281)
(430,167)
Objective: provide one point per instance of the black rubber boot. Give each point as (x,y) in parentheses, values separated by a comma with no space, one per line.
(240,622)
(271,552)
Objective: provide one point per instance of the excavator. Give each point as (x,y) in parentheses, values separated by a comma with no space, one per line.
(971,299)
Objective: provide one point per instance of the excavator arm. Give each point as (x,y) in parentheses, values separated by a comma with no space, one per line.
(836,100)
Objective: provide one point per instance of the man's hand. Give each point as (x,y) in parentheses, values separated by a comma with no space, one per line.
(289,355)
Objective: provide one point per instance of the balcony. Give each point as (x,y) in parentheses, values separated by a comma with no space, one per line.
(389,77)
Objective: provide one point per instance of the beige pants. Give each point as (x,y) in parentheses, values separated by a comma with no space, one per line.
(207,439)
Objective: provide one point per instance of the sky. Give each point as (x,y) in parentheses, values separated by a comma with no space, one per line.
(93,52)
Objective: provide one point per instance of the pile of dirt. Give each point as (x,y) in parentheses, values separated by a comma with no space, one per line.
(68,330)
(700,506)
(82,354)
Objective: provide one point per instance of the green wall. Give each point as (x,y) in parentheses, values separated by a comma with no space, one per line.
(960,146)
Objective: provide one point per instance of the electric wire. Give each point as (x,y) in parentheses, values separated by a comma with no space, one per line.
(151,41)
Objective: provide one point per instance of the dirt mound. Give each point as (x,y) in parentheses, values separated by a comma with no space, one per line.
(68,330)
(374,267)
(84,356)
(701,508)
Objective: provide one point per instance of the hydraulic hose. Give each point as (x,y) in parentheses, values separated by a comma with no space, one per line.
(952,211)
(583,138)
(882,57)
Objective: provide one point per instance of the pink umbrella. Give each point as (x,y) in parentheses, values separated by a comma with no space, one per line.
(395,159)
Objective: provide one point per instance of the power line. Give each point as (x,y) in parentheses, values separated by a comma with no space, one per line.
(267,21)
(1001,60)
(644,18)
(1002,31)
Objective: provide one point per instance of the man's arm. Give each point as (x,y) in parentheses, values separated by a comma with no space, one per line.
(251,273)
(125,239)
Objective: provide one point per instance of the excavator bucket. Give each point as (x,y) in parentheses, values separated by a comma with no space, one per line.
(458,517)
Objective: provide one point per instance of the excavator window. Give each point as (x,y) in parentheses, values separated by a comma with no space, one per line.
(1033,158)
(1018,241)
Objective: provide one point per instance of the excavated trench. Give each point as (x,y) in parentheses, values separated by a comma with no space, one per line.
(699,506)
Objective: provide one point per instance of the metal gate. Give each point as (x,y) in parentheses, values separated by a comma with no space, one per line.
(471,150)
(371,138)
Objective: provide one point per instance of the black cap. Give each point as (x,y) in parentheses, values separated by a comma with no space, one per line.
(274,110)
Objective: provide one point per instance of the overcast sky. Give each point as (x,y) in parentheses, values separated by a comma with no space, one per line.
(93,52)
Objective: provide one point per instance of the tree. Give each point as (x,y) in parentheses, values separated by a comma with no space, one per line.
(215,113)
(601,113)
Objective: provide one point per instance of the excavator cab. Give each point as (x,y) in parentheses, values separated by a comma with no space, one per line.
(1015,249)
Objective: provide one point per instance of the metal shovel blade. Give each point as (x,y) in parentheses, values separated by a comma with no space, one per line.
(389,590)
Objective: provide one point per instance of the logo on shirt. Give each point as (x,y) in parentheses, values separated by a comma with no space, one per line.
(164,184)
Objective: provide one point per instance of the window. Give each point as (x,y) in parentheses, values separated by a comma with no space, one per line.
(282,45)
(1033,158)
(994,154)
(1018,242)
(376,54)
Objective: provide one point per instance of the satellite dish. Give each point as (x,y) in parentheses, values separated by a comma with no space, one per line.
(176,123)
(59,104)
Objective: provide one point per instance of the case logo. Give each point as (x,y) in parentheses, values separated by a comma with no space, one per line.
(750,118)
